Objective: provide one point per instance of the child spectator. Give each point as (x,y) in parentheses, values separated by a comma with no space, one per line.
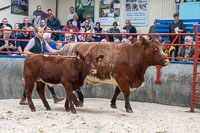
(169,51)
(49,12)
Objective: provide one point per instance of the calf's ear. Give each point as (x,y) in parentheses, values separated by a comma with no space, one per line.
(79,55)
(99,58)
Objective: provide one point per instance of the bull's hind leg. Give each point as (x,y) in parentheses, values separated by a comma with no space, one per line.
(114,98)
(67,103)
(40,90)
(29,84)
(78,103)
(69,93)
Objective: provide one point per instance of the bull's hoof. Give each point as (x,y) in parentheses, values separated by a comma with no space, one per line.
(48,108)
(33,110)
(67,109)
(73,110)
(129,110)
(80,104)
(113,106)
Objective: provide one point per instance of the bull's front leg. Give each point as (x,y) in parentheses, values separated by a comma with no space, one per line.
(69,94)
(114,98)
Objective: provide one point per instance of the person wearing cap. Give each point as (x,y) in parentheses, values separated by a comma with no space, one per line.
(186,51)
(176,27)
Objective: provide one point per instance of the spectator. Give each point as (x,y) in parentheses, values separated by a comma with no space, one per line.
(44,25)
(86,26)
(38,15)
(59,46)
(7,45)
(187,51)
(176,27)
(49,12)
(25,35)
(124,38)
(130,29)
(169,51)
(97,29)
(104,36)
(53,23)
(71,28)
(32,28)
(152,29)
(114,29)
(15,33)
(53,36)
(25,23)
(71,14)
(5,23)
(36,46)
(81,37)
(89,37)
(68,37)
(47,38)
(88,18)
(75,21)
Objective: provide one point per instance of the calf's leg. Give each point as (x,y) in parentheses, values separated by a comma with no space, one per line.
(40,90)
(29,84)
(114,98)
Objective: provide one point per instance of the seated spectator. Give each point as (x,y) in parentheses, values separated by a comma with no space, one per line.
(24,35)
(81,37)
(104,36)
(53,36)
(7,45)
(186,51)
(59,46)
(169,51)
(89,37)
(130,28)
(49,12)
(47,38)
(5,23)
(38,15)
(124,37)
(86,26)
(25,23)
(44,25)
(76,22)
(114,29)
(97,29)
(15,33)
(32,28)
(71,28)
(88,18)
(53,23)
(71,14)
(68,38)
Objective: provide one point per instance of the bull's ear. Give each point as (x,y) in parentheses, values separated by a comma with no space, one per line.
(99,58)
(143,41)
(79,55)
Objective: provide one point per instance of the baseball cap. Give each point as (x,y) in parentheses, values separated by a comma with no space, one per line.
(176,14)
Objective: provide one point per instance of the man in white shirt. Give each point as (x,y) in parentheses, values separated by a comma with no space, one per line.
(71,14)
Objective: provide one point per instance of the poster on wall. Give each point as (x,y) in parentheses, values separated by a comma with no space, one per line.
(19,7)
(137,12)
(84,8)
(109,12)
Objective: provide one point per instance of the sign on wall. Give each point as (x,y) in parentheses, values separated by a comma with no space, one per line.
(84,8)
(19,7)
(137,12)
(109,12)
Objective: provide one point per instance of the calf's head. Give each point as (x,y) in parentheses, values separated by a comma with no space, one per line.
(153,52)
(88,62)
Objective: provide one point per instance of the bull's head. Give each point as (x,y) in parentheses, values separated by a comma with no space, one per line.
(153,52)
(88,62)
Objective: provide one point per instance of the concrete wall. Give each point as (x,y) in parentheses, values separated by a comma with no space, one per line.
(174,90)
(160,9)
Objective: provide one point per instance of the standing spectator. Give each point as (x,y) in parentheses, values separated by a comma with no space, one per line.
(169,51)
(152,29)
(97,29)
(71,28)
(25,23)
(86,26)
(49,12)
(37,46)
(176,27)
(44,25)
(75,21)
(5,23)
(7,45)
(187,51)
(25,35)
(88,18)
(15,33)
(71,14)
(114,29)
(130,28)
(38,15)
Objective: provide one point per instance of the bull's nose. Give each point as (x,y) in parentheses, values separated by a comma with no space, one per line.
(166,62)
(93,72)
